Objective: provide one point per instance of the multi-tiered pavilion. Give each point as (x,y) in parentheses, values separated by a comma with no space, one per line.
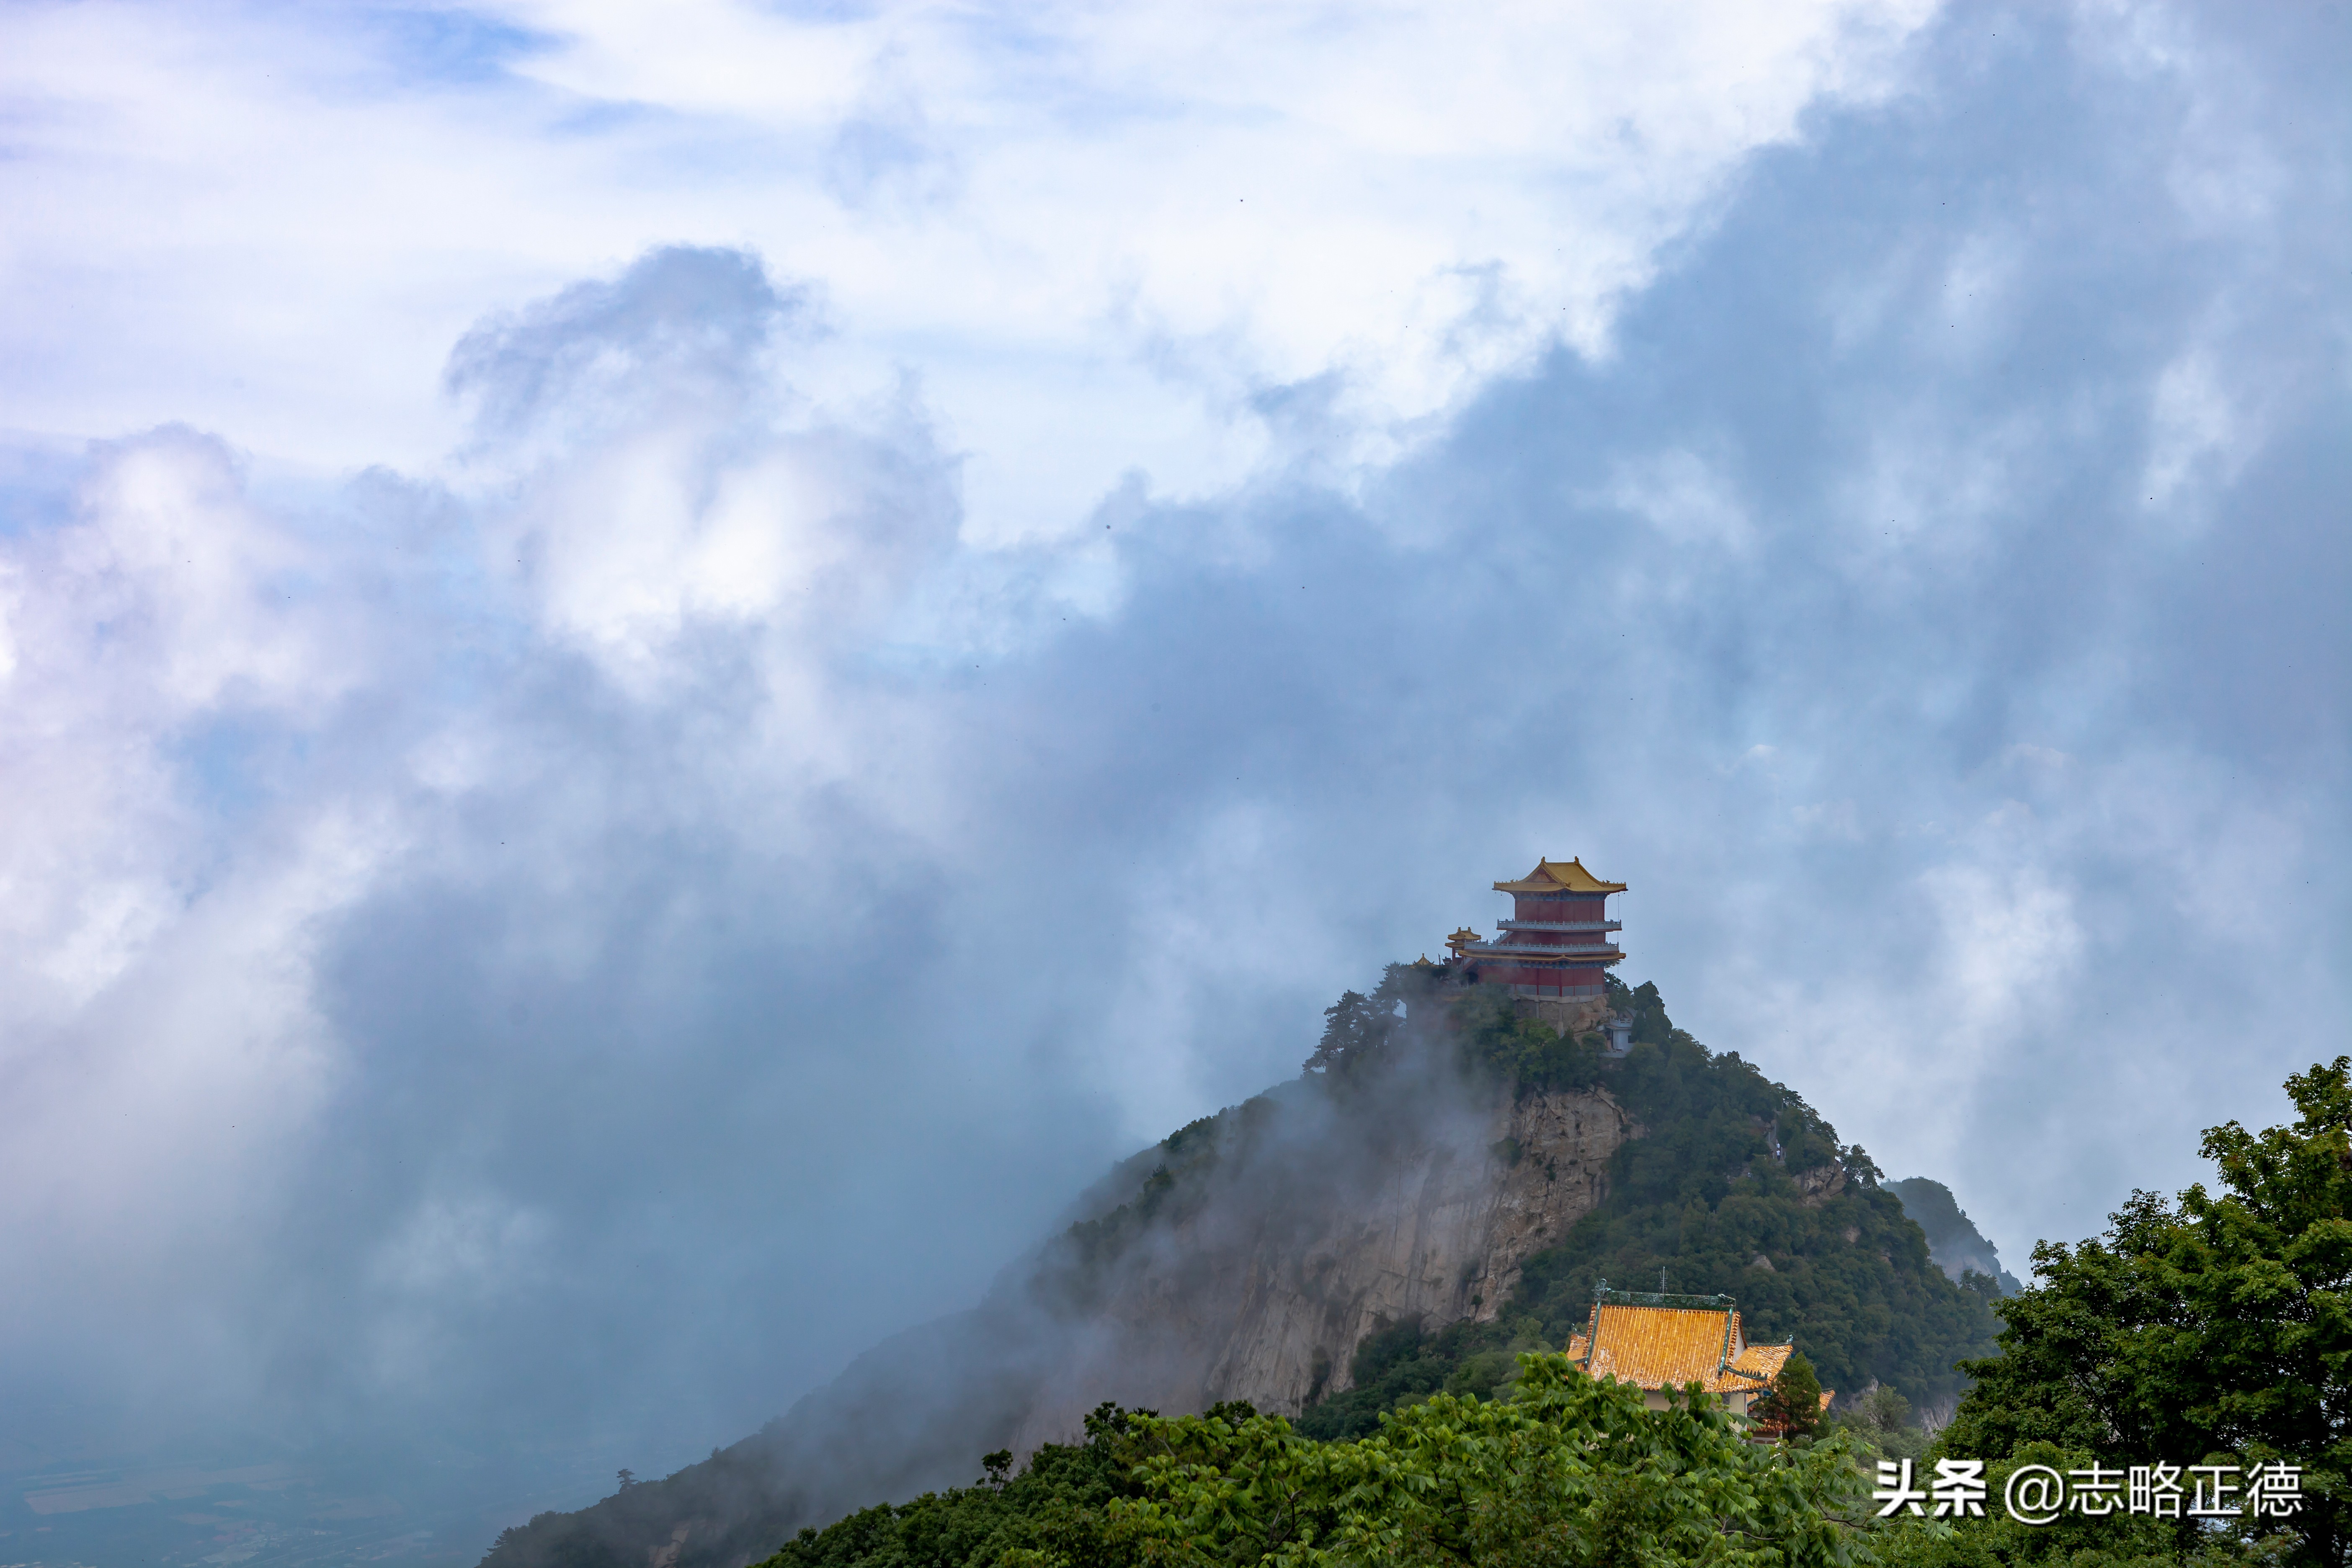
(1555,946)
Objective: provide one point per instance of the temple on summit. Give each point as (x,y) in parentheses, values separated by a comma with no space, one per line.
(1556,944)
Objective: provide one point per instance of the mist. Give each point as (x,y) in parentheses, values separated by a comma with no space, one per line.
(549,934)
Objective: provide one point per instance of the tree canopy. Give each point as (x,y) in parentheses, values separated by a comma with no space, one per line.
(1565,1471)
(2216,1327)
(1791,1408)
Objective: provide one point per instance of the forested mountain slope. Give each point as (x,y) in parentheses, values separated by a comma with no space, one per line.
(1446,1185)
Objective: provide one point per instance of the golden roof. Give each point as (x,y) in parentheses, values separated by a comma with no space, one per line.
(1656,1347)
(1667,1347)
(1759,1364)
(1560,877)
(1465,934)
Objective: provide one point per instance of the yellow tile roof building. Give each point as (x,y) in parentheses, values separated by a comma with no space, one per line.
(1560,877)
(1657,1342)
(1556,945)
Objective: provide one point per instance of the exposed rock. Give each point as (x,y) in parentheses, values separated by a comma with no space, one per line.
(1245,1257)
(1821,1184)
(1263,1288)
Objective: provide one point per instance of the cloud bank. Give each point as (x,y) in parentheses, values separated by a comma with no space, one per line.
(825,736)
(1100,232)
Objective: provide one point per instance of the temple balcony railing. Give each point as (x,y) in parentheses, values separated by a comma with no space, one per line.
(1559,925)
(1530,950)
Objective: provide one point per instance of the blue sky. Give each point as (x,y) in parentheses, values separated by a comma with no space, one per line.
(663,677)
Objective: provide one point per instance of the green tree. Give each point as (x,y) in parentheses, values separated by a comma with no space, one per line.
(1566,1471)
(1880,1422)
(1791,1408)
(1053,1513)
(1527,1052)
(2216,1327)
(1355,1028)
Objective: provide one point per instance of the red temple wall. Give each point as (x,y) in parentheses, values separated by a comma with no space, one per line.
(1578,977)
(1558,907)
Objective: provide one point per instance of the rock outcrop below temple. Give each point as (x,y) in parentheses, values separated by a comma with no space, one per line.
(1298,1230)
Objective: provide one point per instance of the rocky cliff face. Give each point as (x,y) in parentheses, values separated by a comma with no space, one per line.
(1306,1228)
(1249,1255)
(1245,1257)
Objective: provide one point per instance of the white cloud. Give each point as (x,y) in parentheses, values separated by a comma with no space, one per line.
(168,604)
(672,832)
(2195,426)
(2010,937)
(1134,218)
(156,1017)
(1684,498)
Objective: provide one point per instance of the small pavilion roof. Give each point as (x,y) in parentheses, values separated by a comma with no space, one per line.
(1560,877)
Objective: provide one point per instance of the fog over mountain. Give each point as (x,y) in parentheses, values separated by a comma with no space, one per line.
(654,691)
